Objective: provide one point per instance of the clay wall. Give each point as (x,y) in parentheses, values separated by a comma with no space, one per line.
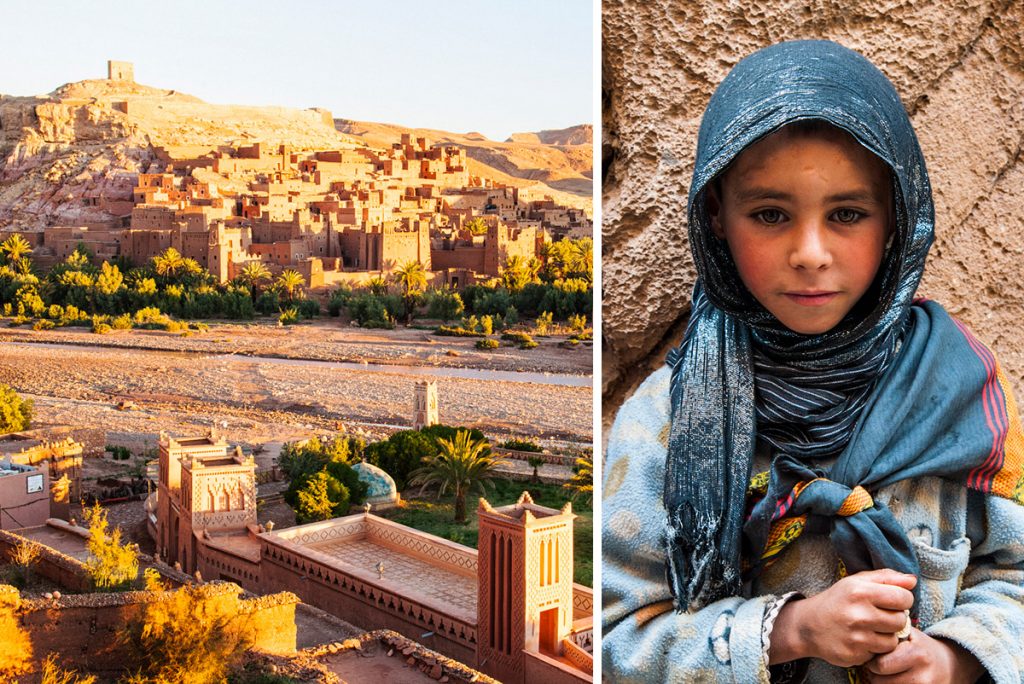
(60,568)
(83,629)
(149,217)
(959,70)
(538,667)
(220,564)
(461,257)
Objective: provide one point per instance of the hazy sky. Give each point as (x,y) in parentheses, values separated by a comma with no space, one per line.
(496,67)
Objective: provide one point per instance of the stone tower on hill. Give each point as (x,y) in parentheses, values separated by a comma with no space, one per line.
(120,71)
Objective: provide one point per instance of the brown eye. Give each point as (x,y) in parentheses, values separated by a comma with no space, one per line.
(847,215)
(770,216)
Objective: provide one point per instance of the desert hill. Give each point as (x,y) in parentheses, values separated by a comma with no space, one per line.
(65,155)
(562,169)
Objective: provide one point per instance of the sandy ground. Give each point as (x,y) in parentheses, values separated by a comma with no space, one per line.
(259,399)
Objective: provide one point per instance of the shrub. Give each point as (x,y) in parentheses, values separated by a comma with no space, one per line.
(189,636)
(338,300)
(521,445)
(444,305)
(456,332)
(486,325)
(309,308)
(15,412)
(111,565)
(289,316)
(122,322)
(520,338)
(54,674)
(543,323)
(43,324)
(16,655)
(578,322)
(487,343)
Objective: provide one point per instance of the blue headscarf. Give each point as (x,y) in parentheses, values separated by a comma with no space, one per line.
(886,362)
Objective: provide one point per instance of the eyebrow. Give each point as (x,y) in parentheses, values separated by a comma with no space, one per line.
(757,194)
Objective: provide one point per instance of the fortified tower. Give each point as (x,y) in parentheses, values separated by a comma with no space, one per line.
(424,405)
(202,487)
(524,600)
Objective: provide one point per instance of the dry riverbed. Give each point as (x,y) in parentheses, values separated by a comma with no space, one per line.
(185,384)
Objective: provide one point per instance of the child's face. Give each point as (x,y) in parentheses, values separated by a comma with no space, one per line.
(806,217)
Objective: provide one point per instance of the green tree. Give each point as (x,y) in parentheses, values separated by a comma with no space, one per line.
(111,564)
(444,304)
(290,281)
(535,462)
(253,273)
(15,412)
(323,497)
(412,278)
(461,466)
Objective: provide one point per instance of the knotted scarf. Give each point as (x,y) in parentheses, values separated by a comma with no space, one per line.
(896,390)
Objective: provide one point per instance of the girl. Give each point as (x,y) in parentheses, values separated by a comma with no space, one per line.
(826,481)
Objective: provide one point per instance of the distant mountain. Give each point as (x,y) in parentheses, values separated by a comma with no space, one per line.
(574,135)
(562,169)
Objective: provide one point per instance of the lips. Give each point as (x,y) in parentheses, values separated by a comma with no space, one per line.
(811,297)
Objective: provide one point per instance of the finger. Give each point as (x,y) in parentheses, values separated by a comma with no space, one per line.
(900,659)
(882,644)
(889,597)
(891,577)
(890,621)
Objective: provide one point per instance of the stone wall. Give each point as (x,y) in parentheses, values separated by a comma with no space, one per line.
(959,67)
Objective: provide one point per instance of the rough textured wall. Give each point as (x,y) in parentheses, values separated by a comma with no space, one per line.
(959,67)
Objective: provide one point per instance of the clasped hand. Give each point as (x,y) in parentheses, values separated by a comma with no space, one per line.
(855,622)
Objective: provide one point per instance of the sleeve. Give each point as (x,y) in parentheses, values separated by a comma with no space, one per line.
(644,638)
(988,616)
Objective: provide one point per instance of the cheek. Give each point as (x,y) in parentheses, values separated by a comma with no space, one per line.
(754,264)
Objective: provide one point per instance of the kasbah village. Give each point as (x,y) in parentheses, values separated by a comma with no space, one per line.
(285,398)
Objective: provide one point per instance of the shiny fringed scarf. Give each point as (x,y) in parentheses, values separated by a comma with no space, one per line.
(897,390)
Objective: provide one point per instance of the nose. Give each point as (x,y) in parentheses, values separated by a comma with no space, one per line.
(810,248)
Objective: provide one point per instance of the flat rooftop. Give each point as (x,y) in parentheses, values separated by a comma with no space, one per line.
(417,578)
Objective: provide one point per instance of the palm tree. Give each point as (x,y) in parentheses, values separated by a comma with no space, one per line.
(413,280)
(290,280)
(377,285)
(581,257)
(516,273)
(252,274)
(169,263)
(460,466)
(15,247)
